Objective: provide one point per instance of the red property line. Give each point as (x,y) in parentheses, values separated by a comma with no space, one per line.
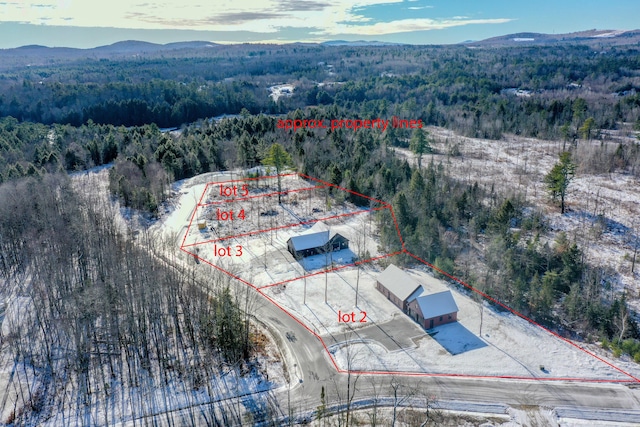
(335,365)
(263,195)
(404,250)
(426,374)
(251,233)
(343,189)
(193,215)
(219,268)
(333,269)
(520,315)
(252,179)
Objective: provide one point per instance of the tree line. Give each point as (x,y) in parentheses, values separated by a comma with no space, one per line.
(473,91)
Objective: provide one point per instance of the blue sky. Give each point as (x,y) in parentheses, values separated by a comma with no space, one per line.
(89,23)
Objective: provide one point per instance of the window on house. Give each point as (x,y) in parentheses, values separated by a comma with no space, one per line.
(441,318)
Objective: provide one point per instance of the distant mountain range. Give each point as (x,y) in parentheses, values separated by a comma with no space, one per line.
(38,55)
(128,46)
(359,43)
(589,37)
(133,47)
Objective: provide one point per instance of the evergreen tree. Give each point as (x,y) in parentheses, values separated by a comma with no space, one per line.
(279,159)
(419,145)
(559,178)
(587,127)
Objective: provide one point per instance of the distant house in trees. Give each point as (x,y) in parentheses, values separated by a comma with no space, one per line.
(319,239)
(429,310)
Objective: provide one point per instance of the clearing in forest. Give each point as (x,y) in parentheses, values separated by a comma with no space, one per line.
(246,227)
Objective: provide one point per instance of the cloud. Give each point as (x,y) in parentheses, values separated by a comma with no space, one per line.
(236,18)
(274,18)
(300,5)
(405,26)
(226,19)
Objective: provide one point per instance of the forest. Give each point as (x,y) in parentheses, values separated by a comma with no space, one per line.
(104,320)
(80,114)
(472,91)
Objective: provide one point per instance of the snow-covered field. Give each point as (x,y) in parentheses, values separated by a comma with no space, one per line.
(278,91)
(254,247)
(322,317)
(505,344)
(603,209)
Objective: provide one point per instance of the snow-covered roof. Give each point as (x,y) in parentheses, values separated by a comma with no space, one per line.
(320,226)
(398,282)
(418,292)
(309,241)
(317,227)
(438,304)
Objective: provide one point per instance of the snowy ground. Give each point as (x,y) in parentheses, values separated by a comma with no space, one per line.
(507,346)
(379,337)
(323,317)
(176,213)
(254,247)
(603,209)
(277,91)
(126,403)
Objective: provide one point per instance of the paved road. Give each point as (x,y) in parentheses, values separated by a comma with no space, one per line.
(309,362)
(316,370)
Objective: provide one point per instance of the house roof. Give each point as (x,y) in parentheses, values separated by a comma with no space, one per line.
(321,226)
(317,227)
(418,292)
(309,241)
(315,237)
(398,282)
(437,304)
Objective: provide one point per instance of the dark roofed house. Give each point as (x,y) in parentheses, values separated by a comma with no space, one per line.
(338,242)
(306,245)
(397,286)
(317,240)
(434,309)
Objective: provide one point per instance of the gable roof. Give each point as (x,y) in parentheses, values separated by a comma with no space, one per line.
(398,282)
(309,241)
(318,226)
(418,292)
(437,304)
(321,226)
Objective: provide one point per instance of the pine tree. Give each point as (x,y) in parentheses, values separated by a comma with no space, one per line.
(559,178)
(278,158)
(419,145)
(587,127)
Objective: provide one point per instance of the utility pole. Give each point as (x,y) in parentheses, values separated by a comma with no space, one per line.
(635,248)
(326,274)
